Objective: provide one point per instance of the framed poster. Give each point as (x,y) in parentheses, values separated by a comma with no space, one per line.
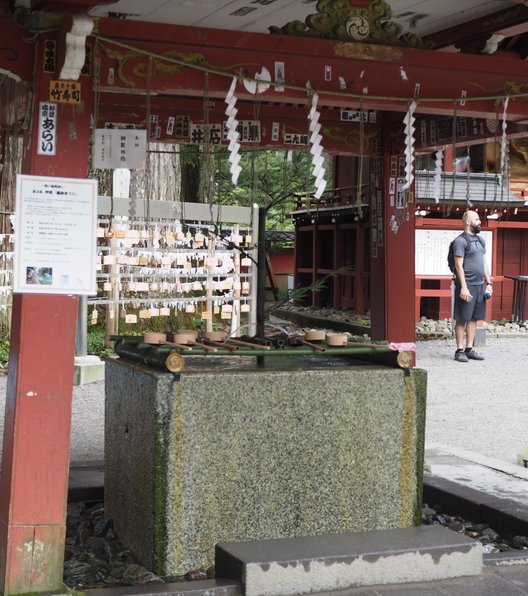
(55,235)
(432,247)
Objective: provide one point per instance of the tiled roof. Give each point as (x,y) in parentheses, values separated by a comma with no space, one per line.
(481,188)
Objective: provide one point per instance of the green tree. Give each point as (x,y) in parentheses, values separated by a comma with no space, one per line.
(269,178)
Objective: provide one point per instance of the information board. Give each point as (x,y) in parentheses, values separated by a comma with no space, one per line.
(55,235)
(432,247)
(114,148)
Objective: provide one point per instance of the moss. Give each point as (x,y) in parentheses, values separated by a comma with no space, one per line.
(412,449)
(420,384)
(407,479)
(160,487)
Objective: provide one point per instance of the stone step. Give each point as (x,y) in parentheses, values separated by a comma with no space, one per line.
(314,564)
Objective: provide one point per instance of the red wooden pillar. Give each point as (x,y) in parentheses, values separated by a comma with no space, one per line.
(392,250)
(35,462)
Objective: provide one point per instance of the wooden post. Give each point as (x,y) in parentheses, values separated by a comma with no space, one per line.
(392,277)
(35,462)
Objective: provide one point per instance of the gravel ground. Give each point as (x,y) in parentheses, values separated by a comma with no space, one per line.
(87,420)
(479,406)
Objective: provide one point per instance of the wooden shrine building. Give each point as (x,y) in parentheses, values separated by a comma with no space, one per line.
(383,88)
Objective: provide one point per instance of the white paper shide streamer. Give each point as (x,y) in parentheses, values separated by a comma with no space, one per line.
(232,132)
(439,163)
(409,144)
(316,149)
(505,148)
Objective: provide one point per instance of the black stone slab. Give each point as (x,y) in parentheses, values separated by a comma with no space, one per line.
(86,481)
(505,516)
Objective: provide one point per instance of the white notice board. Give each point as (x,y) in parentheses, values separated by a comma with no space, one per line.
(432,247)
(55,235)
(114,148)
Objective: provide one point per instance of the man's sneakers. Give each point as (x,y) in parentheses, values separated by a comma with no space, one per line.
(472,354)
(460,356)
(467,355)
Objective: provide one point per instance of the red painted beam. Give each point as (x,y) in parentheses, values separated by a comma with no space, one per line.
(339,137)
(376,75)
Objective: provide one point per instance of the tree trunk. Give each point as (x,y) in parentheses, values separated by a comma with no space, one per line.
(190,161)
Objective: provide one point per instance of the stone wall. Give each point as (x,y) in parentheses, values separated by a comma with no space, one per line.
(234,453)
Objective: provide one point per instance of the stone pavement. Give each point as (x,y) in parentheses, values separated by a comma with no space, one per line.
(504,581)
(494,581)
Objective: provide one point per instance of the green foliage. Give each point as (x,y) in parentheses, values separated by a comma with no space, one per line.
(268,178)
(96,341)
(4,350)
(301,293)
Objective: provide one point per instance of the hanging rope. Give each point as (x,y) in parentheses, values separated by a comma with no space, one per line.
(409,121)
(469,204)
(361,158)
(149,129)
(356,96)
(449,206)
(437,187)
(255,143)
(505,152)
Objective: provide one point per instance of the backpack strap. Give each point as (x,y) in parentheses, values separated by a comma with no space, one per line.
(465,236)
(469,239)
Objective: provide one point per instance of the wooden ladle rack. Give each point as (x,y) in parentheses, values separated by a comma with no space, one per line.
(171,356)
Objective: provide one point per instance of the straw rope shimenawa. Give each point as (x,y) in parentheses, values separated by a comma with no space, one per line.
(511,92)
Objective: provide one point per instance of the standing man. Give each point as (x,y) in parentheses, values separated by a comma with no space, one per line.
(472,281)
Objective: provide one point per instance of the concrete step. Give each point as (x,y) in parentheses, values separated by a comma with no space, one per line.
(336,562)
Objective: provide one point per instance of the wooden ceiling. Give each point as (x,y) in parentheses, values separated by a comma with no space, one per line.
(470,26)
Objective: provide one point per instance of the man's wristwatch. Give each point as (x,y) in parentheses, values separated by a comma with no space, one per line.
(489,284)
